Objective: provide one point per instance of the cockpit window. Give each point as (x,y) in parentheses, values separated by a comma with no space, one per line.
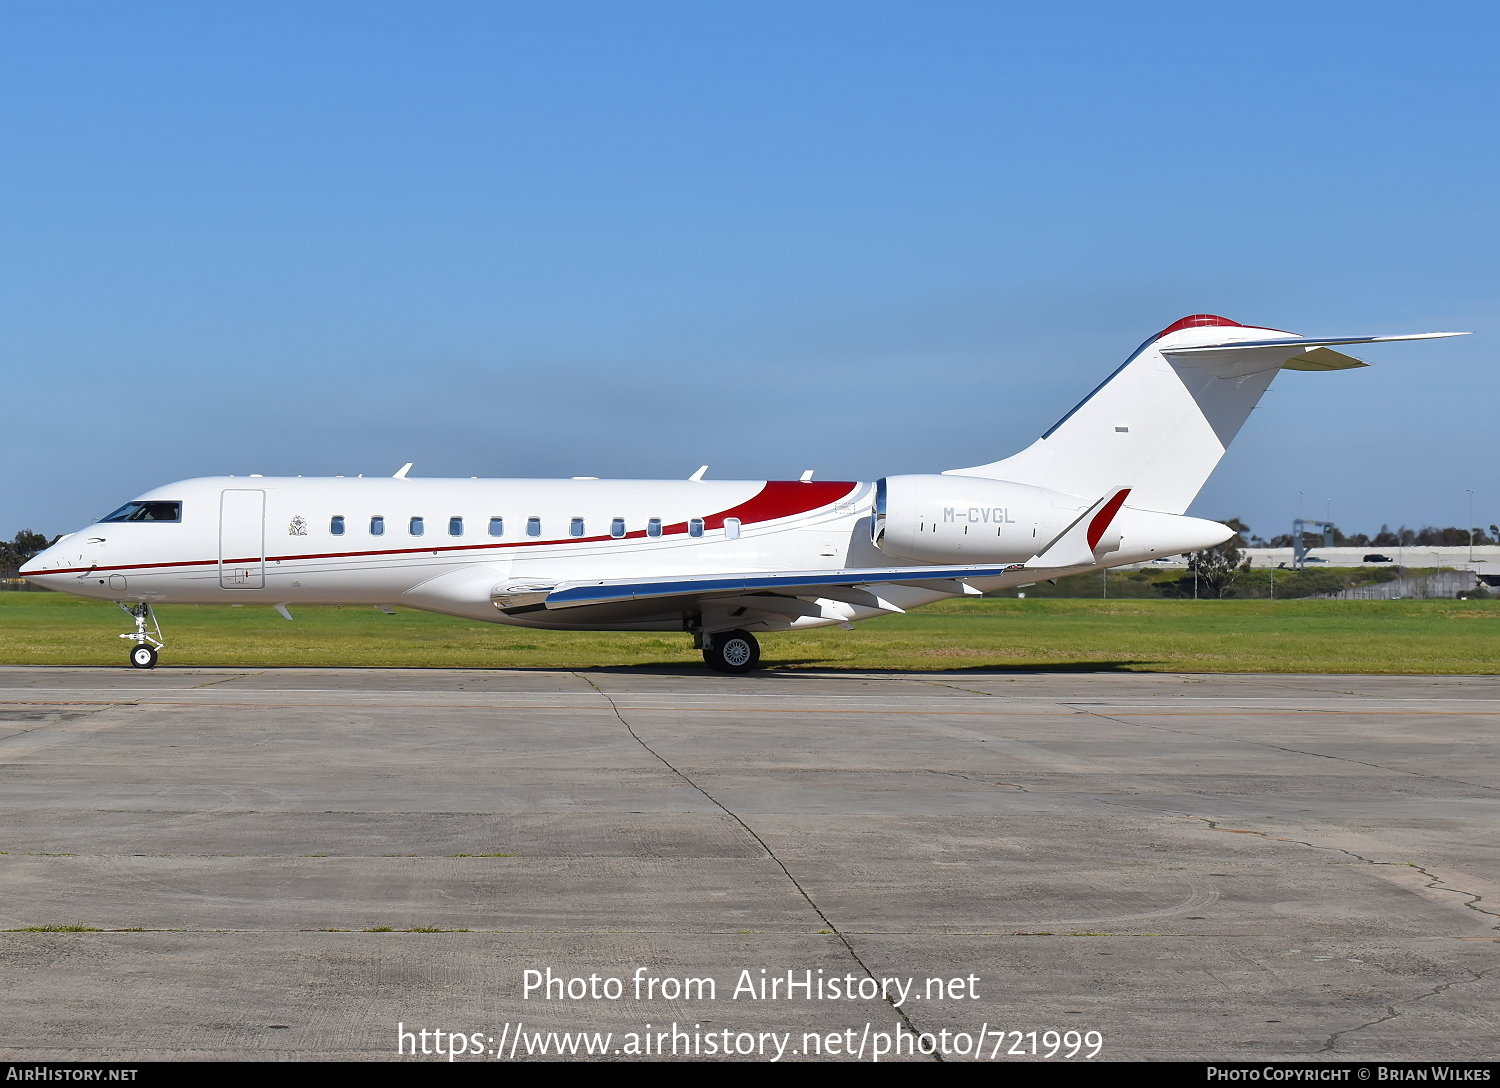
(147,511)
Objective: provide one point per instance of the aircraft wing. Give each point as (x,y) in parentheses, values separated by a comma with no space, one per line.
(795,593)
(798,593)
(780,592)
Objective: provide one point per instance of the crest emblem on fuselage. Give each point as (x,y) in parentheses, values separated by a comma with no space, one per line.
(298,527)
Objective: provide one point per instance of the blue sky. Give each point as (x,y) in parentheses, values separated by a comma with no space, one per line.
(627,239)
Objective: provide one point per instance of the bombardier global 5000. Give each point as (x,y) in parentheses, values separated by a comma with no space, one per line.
(1107,485)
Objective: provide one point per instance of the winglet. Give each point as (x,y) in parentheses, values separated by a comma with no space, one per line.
(1089,533)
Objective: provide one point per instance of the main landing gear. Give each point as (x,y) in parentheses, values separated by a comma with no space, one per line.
(147,642)
(731,651)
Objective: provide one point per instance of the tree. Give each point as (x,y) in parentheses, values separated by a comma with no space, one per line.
(1217,568)
(15,553)
(1213,571)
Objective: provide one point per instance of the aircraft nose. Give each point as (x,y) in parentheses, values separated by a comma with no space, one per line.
(38,565)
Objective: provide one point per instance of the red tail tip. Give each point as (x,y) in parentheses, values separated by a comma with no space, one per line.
(1198,321)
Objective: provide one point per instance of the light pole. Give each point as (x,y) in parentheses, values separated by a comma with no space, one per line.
(1297,538)
(1470,490)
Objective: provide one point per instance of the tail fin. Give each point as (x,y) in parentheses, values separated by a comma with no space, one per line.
(1161,422)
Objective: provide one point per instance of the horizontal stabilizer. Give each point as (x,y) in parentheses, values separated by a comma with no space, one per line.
(1235,359)
(1302,342)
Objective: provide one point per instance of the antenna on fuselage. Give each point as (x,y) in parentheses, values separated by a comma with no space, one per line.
(400,473)
(699,474)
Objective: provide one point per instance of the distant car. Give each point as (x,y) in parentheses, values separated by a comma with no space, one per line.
(1375,557)
(1313,559)
(1164,559)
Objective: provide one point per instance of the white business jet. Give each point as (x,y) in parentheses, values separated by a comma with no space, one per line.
(1105,486)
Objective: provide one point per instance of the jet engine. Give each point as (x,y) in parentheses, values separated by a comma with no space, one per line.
(966,519)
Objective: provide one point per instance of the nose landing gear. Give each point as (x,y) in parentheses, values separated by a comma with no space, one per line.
(147,642)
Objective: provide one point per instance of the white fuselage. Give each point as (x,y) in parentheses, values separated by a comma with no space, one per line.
(476,547)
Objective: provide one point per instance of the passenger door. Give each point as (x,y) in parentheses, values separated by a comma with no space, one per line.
(242,539)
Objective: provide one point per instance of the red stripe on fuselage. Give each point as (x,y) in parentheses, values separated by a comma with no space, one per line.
(782,499)
(778,499)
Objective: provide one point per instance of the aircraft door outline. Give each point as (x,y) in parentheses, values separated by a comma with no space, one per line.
(242,539)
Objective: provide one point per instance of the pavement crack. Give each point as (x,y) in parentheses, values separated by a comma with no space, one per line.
(950,685)
(802,891)
(1394,1009)
(969,776)
(222,680)
(1434,882)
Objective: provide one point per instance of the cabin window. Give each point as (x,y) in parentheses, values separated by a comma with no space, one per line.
(575,527)
(147,511)
(695,527)
(377,526)
(653,527)
(533,526)
(497,526)
(731,528)
(617,528)
(455,526)
(414,527)
(336,525)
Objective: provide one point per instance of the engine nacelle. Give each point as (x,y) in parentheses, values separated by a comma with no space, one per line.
(966,519)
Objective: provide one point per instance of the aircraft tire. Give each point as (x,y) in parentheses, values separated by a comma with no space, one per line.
(143,657)
(734,652)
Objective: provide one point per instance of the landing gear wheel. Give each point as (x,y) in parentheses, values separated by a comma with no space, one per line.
(146,636)
(732,652)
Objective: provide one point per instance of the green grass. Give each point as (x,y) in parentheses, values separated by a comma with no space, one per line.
(70,928)
(1436,636)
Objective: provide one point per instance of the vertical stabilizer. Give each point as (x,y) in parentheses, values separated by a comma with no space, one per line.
(1160,423)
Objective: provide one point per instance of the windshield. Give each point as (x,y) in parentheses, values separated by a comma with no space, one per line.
(147,511)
